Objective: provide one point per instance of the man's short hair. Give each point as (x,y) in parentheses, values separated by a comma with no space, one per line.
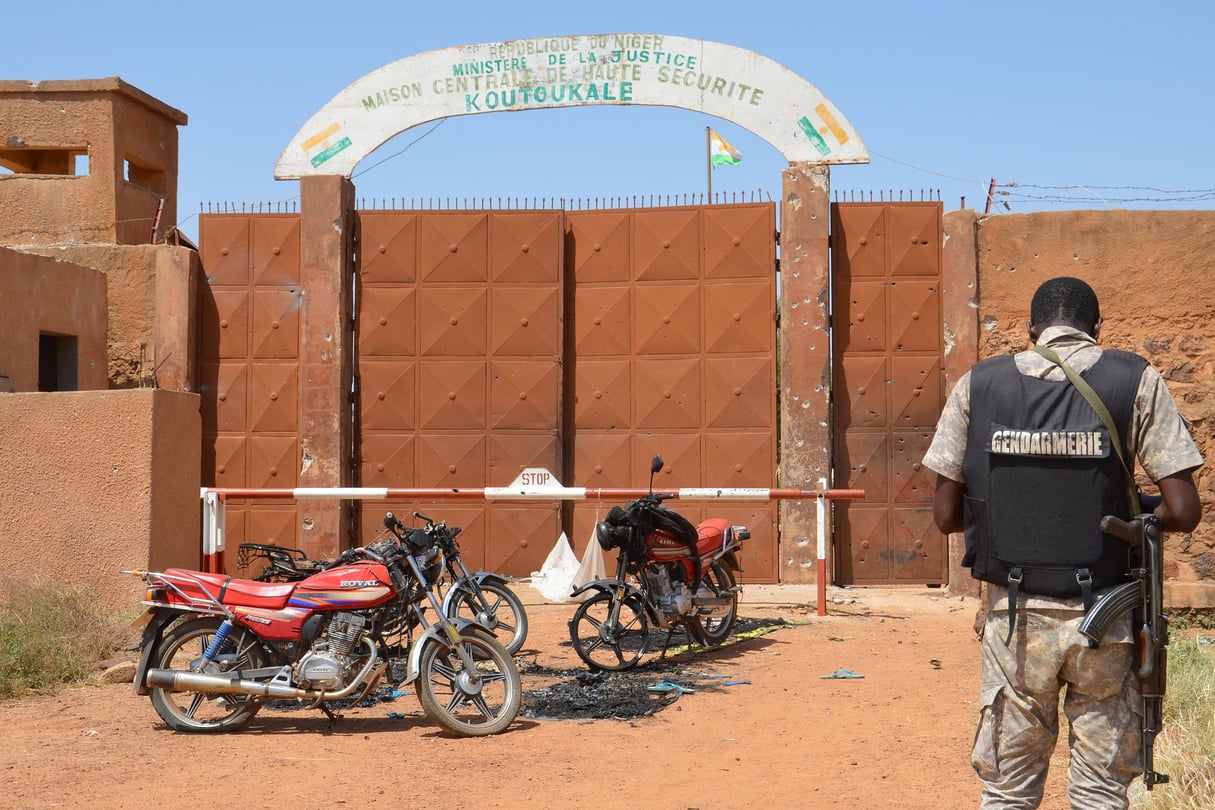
(1065,300)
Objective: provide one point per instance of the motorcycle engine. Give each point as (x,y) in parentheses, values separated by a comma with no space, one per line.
(671,598)
(328,663)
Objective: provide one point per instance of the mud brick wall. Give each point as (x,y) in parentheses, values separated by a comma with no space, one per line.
(1154,273)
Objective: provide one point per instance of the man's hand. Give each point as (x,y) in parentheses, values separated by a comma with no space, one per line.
(947,504)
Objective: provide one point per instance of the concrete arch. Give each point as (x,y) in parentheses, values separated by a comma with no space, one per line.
(725,81)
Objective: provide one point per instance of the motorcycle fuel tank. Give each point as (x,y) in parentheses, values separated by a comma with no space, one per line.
(349,587)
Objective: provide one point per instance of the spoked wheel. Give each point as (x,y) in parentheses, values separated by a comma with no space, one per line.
(607,643)
(182,649)
(471,703)
(498,608)
(715,629)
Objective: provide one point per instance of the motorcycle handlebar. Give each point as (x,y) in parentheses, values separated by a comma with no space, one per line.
(440,526)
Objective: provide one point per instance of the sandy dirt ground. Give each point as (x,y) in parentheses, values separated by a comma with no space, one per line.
(779,735)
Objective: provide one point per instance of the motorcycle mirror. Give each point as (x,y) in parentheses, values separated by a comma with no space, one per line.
(655,466)
(390,520)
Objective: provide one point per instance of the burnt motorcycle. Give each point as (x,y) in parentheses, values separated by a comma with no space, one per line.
(215,649)
(481,596)
(669,574)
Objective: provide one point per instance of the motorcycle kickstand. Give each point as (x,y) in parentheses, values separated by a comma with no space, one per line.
(666,644)
(320,703)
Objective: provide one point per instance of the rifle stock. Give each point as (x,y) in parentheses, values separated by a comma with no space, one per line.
(1143,597)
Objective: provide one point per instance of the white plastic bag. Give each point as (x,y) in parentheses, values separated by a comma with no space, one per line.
(555,578)
(591,568)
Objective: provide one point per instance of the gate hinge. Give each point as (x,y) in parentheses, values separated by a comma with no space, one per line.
(777,237)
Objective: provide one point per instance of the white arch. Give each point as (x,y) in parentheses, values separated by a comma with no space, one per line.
(650,69)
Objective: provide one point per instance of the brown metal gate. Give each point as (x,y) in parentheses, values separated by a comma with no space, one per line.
(888,389)
(249,365)
(490,341)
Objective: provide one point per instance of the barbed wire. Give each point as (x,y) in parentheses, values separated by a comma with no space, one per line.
(1089,194)
(1075,193)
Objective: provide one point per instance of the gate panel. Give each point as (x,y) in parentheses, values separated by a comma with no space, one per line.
(674,352)
(249,365)
(889,390)
(459,376)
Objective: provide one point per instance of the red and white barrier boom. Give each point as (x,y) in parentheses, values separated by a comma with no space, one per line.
(534,483)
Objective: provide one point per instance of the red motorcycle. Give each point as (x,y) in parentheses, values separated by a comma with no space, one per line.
(216,648)
(668,572)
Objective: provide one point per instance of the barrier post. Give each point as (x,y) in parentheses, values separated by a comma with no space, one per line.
(213,532)
(820,509)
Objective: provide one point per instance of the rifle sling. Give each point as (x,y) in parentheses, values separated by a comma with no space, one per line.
(1094,401)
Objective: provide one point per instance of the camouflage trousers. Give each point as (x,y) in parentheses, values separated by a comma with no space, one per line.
(1019,711)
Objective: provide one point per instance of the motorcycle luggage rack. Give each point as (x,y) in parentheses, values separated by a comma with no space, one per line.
(210,604)
(283,564)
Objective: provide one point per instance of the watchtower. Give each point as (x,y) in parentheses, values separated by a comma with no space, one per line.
(86,162)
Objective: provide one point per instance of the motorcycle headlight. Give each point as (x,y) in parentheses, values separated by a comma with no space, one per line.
(609,536)
(431,563)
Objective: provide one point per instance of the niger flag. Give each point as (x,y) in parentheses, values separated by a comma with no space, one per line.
(721,153)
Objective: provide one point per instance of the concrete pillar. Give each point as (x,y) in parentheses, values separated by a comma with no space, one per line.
(326,357)
(805,361)
(960,317)
(175,329)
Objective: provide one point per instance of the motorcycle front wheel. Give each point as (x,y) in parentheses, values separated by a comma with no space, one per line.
(497,607)
(469,703)
(713,630)
(606,643)
(182,650)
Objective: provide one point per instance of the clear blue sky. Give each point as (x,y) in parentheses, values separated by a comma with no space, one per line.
(1112,103)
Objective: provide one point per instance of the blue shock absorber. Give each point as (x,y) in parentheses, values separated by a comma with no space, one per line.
(217,641)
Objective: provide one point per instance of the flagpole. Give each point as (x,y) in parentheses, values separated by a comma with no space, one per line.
(709,162)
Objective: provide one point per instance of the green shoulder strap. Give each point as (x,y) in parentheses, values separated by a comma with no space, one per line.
(1086,390)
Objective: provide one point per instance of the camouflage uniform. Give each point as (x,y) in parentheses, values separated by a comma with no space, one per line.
(1019,695)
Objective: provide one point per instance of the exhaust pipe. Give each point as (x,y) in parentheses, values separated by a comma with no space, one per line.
(178,680)
(712,606)
(175,680)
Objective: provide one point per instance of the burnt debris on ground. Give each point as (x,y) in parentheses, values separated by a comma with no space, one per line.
(579,693)
(649,687)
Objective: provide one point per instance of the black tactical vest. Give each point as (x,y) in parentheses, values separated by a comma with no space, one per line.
(1040,474)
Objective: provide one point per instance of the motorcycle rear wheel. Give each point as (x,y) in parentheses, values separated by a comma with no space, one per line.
(181,650)
(605,644)
(461,703)
(503,612)
(713,630)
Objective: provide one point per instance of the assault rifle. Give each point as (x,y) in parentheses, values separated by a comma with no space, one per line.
(1143,597)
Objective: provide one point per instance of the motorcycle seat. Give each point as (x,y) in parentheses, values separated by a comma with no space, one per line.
(233,591)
